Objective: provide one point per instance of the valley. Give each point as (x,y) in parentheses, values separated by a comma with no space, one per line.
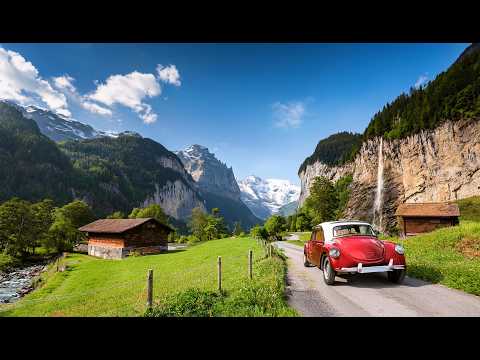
(120,171)
(220,240)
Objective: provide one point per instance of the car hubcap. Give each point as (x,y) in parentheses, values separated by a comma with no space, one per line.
(326,270)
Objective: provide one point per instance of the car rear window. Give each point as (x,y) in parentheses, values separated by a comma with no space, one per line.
(353,229)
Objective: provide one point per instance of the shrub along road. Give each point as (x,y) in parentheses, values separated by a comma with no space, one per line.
(369,294)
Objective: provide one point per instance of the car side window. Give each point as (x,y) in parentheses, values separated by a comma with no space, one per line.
(319,236)
(312,237)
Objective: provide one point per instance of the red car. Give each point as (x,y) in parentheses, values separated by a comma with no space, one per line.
(349,247)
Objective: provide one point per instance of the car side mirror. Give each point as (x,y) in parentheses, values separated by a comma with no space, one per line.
(377,233)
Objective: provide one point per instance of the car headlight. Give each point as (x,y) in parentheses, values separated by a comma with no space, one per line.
(334,252)
(399,249)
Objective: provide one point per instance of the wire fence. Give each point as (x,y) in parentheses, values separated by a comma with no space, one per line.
(130,297)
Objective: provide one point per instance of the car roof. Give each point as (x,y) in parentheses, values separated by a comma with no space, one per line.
(329,225)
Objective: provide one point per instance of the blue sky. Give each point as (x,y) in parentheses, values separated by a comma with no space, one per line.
(261,108)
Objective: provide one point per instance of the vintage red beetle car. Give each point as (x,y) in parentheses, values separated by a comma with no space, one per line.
(348,247)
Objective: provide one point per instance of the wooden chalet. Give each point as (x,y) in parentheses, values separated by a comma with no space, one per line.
(416,218)
(116,238)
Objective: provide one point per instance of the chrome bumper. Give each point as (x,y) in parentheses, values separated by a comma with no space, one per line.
(372,269)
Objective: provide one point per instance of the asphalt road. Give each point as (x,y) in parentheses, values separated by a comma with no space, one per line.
(369,294)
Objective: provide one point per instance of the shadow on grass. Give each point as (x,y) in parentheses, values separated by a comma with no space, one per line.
(174,251)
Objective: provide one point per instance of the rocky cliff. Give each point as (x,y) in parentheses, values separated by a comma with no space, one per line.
(210,174)
(131,171)
(433,165)
(217,185)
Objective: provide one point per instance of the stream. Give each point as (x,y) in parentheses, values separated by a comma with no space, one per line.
(16,283)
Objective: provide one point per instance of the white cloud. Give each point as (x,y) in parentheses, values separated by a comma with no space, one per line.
(20,81)
(169,74)
(288,114)
(129,90)
(95,108)
(422,80)
(65,83)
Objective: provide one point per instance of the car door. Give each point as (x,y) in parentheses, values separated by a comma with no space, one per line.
(317,246)
(309,246)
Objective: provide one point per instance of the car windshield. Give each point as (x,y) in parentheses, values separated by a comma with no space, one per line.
(353,229)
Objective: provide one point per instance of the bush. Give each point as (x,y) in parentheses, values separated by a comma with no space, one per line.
(192,302)
(182,239)
(7,262)
(192,239)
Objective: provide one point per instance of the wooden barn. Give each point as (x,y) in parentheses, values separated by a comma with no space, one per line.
(416,218)
(115,238)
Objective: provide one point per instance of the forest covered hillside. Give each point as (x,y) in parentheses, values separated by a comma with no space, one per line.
(453,95)
(110,174)
(334,150)
(31,165)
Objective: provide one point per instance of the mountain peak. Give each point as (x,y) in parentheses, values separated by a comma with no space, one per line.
(265,197)
(197,149)
(469,50)
(211,174)
(56,126)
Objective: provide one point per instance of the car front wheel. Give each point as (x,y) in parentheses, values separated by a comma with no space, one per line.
(396,276)
(328,272)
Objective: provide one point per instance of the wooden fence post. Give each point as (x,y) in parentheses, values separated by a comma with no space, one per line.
(220,274)
(150,289)
(250,265)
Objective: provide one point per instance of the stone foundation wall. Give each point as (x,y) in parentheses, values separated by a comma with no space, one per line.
(108,252)
(105,252)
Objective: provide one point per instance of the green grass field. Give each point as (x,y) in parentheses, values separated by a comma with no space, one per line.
(303,238)
(470,208)
(449,256)
(97,287)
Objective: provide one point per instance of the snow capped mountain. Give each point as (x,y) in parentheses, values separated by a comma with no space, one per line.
(266,197)
(58,127)
(217,185)
(211,174)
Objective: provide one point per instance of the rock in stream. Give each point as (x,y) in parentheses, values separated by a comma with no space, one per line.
(15,284)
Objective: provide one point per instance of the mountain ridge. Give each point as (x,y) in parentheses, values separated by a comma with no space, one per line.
(58,127)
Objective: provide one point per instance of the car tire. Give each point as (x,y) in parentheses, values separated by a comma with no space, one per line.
(328,272)
(306,263)
(396,276)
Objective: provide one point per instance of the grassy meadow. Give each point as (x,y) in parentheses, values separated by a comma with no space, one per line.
(98,287)
(470,208)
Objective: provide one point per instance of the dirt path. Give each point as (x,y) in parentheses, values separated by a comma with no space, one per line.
(369,294)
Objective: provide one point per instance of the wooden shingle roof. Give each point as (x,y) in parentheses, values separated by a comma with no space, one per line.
(115,226)
(428,209)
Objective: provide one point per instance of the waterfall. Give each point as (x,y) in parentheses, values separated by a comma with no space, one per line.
(378,202)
